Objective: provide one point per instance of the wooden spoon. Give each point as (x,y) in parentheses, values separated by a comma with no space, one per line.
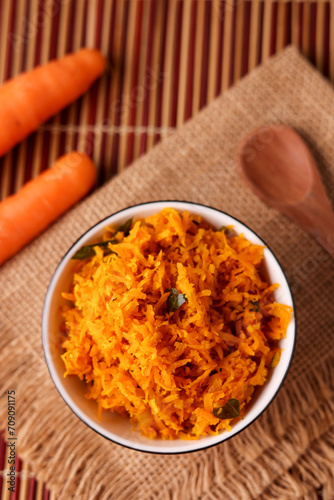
(277,165)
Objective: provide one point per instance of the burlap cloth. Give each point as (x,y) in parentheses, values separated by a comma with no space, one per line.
(289,451)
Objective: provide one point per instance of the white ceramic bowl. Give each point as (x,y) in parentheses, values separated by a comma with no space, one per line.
(72,390)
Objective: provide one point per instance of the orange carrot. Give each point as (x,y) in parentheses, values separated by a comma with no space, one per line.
(33,97)
(25,214)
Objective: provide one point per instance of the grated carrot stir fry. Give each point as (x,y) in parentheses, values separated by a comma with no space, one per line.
(168,368)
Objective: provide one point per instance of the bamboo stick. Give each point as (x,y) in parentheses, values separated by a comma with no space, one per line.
(319,40)
(238,41)
(331,42)
(184,54)
(115,83)
(266,30)
(254,35)
(157,43)
(228,19)
(126,96)
(280,32)
(168,66)
(139,103)
(199,38)
(213,50)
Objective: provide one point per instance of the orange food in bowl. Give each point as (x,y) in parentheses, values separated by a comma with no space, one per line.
(171,323)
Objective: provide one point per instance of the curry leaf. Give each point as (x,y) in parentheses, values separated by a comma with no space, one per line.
(124,228)
(87,251)
(275,360)
(256,305)
(229,410)
(175,299)
(227,230)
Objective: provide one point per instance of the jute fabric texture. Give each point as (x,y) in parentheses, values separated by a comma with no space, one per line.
(289,451)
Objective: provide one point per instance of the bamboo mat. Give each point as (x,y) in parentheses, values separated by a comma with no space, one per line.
(168,59)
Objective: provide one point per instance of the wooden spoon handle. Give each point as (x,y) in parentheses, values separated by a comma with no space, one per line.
(317,219)
(324,233)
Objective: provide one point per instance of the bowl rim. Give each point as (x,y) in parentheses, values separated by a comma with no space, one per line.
(44,331)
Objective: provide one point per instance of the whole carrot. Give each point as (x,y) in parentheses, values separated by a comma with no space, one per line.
(33,97)
(28,212)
